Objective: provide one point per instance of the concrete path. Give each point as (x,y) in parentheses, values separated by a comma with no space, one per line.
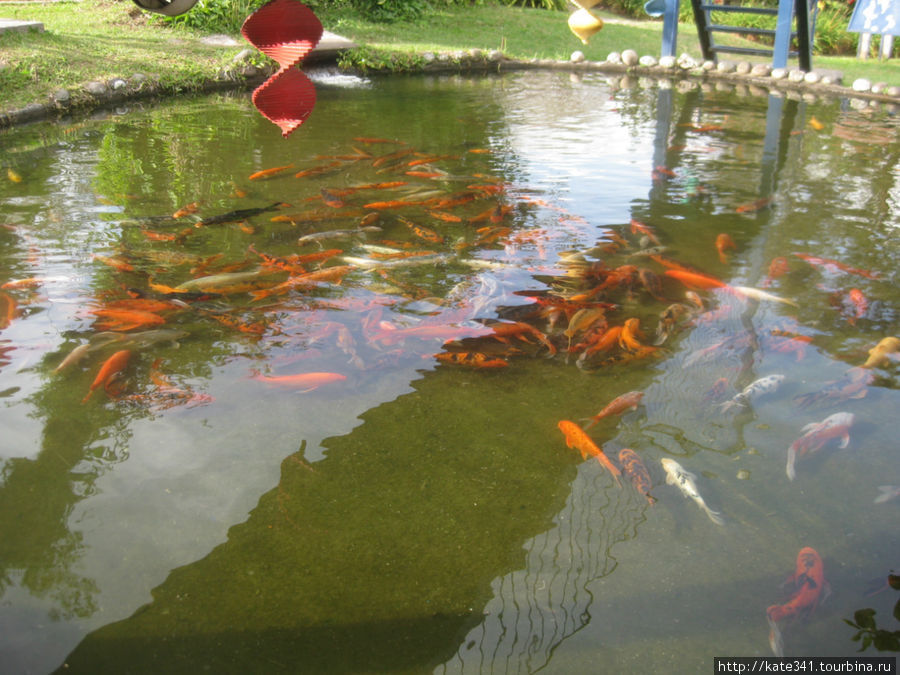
(8,25)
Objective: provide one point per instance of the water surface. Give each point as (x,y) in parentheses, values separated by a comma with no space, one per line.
(419,515)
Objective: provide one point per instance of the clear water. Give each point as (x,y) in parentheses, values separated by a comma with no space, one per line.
(418,516)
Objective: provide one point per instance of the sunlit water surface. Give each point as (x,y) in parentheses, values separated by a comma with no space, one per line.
(416,515)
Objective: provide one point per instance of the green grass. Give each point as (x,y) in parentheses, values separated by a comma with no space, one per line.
(108,39)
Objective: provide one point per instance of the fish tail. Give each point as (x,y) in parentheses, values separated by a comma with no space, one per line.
(776,643)
(714,516)
(791,458)
(588,422)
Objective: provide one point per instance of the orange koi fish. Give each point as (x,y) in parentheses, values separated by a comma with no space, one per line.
(628,338)
(831,265)
(114,365)
(265,173)
(856,305)
(816,435)
(446,217)
(854,384)
(754,206)
(390,204)
(723,243)
(159,236)
(115,263)
(186,210)
(331,199)
(576,438)
(126,319)
(777,268)
(695,280)
(617,406)
(646,230)
(30,282)
(316,170)
(474,359)
(809,586)
(422,232)
(634,468)
(308,380)
(12,310)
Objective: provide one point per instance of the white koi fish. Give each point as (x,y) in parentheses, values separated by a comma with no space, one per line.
(764,385)
(816,435)
(887,493)
(676,475)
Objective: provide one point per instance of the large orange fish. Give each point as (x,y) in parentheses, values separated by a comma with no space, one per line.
(114,365)
(634,468)
(809,584)
(695,280)
(576,438)
(617,406)
(308,381)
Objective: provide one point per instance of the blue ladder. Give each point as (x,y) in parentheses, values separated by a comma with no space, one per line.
(782,33)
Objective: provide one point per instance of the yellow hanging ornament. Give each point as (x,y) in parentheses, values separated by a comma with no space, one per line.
(584,24)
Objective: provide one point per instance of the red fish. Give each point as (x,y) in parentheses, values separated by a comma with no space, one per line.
(114,365)
(855,305)
(816,435)
(308,381)
(809,584)
(576,438)
(617,406)
(634,468)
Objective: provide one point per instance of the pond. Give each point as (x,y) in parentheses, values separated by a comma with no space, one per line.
(294,406)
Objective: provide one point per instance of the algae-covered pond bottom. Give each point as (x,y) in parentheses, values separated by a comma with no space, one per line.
(293,406)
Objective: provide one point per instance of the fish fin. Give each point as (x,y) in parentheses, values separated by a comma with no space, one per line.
(715,516)
(791,458)
(776,643)
(809,427)
(845,440)
(588,422)
(670,479)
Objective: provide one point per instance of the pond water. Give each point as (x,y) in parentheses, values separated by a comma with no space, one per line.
(341,453)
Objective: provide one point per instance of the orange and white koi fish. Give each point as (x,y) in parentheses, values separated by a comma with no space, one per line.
(881,353)
(809,586)
(676,475)
(618,406)
(724,242)
(114,365)
(635,469)
(576,438)
(308,381)
(265,173)
(816,435)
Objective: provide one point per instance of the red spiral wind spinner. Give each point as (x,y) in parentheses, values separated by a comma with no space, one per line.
(286,31)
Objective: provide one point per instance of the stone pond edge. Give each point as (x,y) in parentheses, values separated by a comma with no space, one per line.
(683,72)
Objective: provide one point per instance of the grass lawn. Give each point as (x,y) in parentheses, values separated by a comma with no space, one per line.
(111,38)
